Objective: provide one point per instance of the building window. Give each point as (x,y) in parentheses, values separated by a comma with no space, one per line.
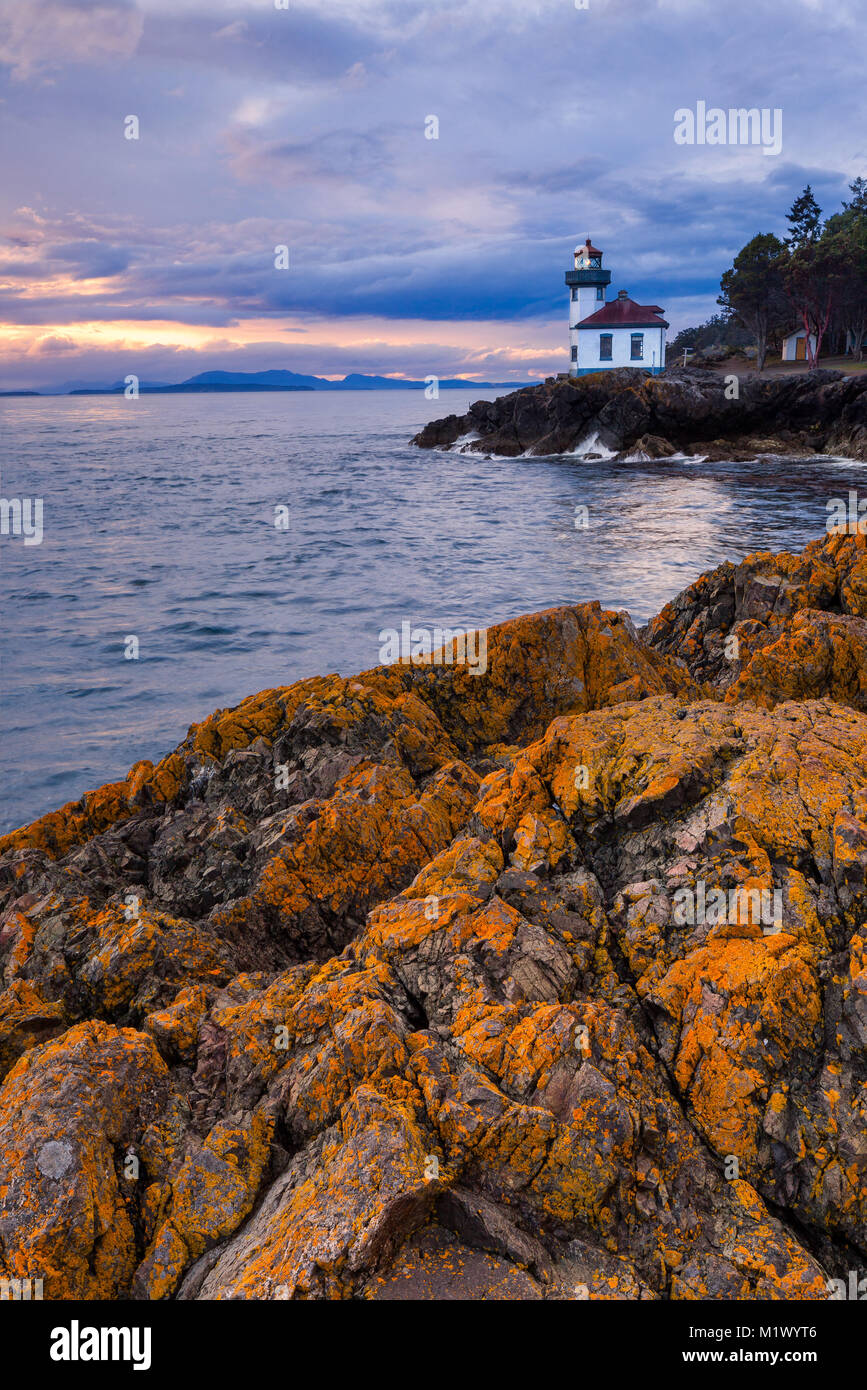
(574,354)
(637,351)
(605,342)
(574,292)
(600,293)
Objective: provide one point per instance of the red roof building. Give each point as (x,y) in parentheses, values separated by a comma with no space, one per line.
(623,312)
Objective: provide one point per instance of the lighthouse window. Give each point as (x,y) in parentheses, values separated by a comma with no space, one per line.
(595,260)
(605,341)
(637,352)
(574,292)
(600,293)
(574,354)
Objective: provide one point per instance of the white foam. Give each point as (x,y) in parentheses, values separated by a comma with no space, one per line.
(640,457)
(837,460)
(591,445)
(460,445)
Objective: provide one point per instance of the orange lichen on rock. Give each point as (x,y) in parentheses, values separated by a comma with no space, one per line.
(68,1111)
(543,982)
(729,1050)
(776,627)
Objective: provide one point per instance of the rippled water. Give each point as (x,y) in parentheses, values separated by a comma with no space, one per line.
(159,522)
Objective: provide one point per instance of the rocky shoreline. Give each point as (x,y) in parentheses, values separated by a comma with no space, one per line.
(689,411)
(379,987)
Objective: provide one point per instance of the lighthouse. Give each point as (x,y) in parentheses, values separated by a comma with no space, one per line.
(586,282)
(619,333)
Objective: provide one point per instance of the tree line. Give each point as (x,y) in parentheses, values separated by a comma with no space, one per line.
(814,279)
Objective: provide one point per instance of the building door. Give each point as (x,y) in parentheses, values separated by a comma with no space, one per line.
(800,349)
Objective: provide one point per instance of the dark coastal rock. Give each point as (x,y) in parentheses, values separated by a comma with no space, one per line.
(684,410)
(375,987)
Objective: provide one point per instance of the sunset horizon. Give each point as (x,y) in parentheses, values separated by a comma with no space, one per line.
(427,202)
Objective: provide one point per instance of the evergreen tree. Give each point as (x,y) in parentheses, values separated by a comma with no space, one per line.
(752,290)
(848,240)
(858,205)
(805,219)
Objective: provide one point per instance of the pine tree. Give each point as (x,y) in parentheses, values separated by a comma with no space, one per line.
(858,205)
(752,290)
(805,218)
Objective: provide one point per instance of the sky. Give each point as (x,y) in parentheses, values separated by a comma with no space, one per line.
(308,127)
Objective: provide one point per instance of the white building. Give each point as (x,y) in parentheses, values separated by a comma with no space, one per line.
(795,346)
(619,333)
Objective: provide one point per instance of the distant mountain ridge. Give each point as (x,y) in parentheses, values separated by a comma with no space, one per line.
(281,380)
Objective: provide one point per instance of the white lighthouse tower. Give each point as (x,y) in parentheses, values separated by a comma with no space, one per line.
(587,282)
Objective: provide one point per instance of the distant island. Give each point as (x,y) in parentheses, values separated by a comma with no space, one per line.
(278,381)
